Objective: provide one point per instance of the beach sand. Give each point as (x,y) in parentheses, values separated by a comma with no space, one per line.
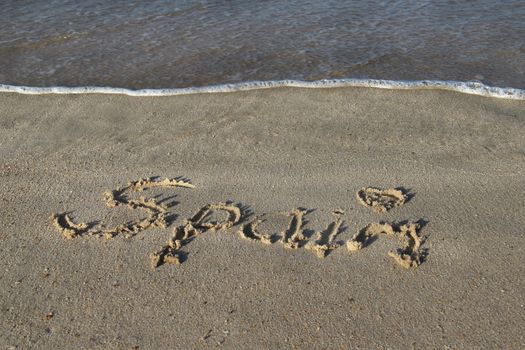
(461,157)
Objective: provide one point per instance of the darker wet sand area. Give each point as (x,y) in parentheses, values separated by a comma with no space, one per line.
(279,218)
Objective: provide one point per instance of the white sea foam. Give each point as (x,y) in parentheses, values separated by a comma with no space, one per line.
(469,87)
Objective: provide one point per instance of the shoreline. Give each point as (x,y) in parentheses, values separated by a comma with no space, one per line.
(467,87)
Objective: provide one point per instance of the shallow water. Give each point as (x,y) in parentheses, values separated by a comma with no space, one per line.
(158,44)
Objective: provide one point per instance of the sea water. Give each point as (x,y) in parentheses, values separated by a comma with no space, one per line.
(176,44)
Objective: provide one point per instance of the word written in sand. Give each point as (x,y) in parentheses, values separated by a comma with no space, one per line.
(321,243)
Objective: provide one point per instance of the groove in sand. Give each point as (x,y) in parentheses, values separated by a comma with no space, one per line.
(325,240)
(381,200)
(156,212)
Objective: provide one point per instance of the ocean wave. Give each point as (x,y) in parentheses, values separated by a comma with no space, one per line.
(467,87)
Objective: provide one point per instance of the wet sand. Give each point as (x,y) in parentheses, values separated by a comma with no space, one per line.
(273,154)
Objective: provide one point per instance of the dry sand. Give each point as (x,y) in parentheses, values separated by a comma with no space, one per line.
(292,160)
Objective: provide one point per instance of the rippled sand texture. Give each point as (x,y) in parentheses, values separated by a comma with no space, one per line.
(161,44)
(291,218)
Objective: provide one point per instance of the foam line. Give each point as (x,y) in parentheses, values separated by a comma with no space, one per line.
(468,87)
